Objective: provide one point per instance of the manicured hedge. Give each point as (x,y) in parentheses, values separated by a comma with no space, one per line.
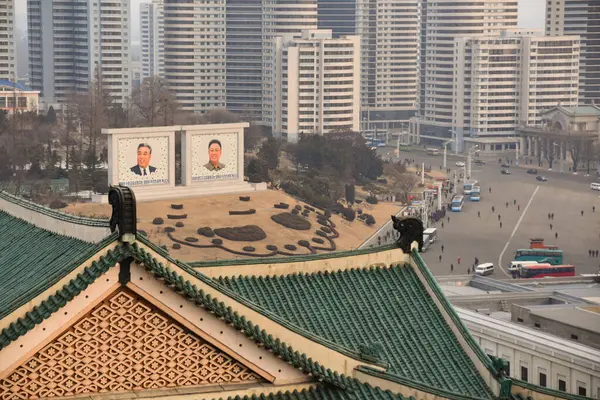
(290,247)
(245,212)
(318,240)
(244,198)
(249,249)
(191,239)
(176,246)
(158,221)
(309,208)
(291,221)
(282,206)
(177,206)
(357,201)
(182,216)
(372,200)
(295,212)
(248,233)
(169,229)
(206,231)
(321,233)
(359,211)
(303,243)
(217,241)
(179,224)
(57,203)
(164,247)
(369,219)
(271,247)
(298,207)
(326,229)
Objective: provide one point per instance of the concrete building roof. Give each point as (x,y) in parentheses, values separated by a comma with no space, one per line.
(578,317)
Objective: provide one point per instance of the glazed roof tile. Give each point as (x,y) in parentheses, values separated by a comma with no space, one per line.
(358,307)
(33,259)
(355,391)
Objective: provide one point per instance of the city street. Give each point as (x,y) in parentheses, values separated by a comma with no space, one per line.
(468,236)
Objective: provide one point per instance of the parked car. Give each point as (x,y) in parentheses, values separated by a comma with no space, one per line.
(460,163)
(505,165)
(532,171)
(541,178)
(479,162)
(505,172)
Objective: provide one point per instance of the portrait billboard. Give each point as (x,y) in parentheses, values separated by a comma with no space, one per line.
(143,160)
(214,156)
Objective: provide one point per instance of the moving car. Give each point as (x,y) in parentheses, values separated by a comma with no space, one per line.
(484,269)
(541,178)
(532,171)
(479,162)
(594,186)
(460,163)
(505,172)
(505,165)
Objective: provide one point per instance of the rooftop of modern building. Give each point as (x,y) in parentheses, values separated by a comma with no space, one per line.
(6,84)
(586,318)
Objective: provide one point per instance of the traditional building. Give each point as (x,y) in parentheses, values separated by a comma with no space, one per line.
(565,137)
(88,313)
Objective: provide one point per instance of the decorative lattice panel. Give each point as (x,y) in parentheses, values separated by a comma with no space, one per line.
(122,344)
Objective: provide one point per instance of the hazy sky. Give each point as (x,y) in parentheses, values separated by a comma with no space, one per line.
(531,15)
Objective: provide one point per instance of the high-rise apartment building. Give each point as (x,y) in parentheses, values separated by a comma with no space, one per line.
(319,84)
(580,17)
(507,80)
(195,53)
(244,58)
(74,42)
(152,39)
(281,17)
(8,56)
(389,31)
(441,24)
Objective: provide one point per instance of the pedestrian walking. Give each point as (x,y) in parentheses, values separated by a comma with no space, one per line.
(582,213)
(448,219)
(596,252)
(500,224)
(478,214)
(451,268)
(507,204)
(442,249)
(552,215)
(519,207)
(548,216)
(440,257)
(550,226)
(442,224)
(499,217)
(493,208)
(490,189)
(555,235)
(476,261)
(589,253)
(458,260)
(514,202)
(594,209)
(468,271)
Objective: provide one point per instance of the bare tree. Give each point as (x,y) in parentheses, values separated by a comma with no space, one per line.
(401,182)
(549,152)
(154,103)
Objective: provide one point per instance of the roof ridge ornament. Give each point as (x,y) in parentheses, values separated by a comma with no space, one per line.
(123,215)
(411,230)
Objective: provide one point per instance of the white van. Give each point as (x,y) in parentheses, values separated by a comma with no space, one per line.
(594,186)
(431,233)
(515,265)
(484,269)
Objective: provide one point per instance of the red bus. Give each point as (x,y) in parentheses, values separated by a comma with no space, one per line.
(538,243)
(543,270)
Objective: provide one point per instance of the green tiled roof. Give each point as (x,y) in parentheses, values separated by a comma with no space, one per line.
(583,110)
(33,259)
(358,307)
(355,391)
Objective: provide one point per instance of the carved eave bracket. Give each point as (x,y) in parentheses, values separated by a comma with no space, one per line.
(124,215)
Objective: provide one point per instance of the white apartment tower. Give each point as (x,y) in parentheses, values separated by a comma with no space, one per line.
(389,30)
(73,42)
(580,17)
(319,84)
(508,79)
(195,53)
(8,58)
(281,17)
(442,23)
(152,39)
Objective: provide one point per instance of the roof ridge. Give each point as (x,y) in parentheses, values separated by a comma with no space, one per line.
(60,215)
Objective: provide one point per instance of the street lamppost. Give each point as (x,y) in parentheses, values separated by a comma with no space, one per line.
(468,171)
(561,156)
(446,143)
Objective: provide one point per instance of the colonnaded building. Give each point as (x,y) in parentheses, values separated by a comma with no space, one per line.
(93,309)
